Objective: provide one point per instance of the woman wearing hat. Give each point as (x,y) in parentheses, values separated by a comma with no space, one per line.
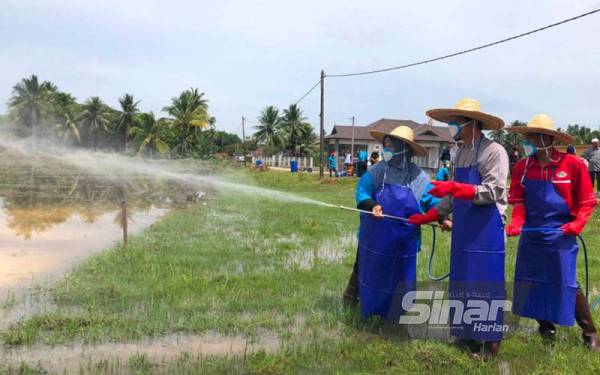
(387,249)
(553,199)
(476,197)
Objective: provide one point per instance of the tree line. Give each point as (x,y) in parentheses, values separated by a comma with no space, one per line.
(41,110)
(582,135)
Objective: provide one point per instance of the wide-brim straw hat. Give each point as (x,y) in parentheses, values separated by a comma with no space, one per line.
(470,108)
(403,133)
(542,124)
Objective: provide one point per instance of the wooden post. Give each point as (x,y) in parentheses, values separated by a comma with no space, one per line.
(322,132)
(244,137)
(124,221)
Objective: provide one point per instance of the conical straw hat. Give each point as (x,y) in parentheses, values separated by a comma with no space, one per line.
(542,124)
(403,133)
(470,108)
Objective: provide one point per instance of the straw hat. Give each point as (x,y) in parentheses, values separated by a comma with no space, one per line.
(403,133)
(542,124)
(469,108)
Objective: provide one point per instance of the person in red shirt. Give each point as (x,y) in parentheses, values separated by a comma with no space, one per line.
(553,199)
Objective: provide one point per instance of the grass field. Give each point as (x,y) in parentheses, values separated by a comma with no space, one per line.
(268,271)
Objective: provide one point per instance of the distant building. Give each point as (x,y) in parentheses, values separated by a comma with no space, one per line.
(433,138)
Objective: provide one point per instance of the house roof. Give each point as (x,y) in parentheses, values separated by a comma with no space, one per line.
(422,132)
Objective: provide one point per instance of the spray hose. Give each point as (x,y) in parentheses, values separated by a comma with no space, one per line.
(433,240)
(583,245)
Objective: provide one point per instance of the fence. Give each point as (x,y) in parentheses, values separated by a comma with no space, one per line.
(284,161)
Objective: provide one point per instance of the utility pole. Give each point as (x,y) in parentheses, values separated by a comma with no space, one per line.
(243,136)
(352,147)
(322,133)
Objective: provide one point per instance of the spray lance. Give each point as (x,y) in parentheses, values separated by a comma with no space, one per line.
(433,237)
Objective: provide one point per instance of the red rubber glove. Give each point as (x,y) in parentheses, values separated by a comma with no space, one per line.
(573,228)
(517,220)
(455,189)
(428,217)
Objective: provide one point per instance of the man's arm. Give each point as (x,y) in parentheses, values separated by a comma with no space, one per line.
(494,175)
(364,193)
(587,154)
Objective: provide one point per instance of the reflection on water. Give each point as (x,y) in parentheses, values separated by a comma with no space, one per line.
(53,215)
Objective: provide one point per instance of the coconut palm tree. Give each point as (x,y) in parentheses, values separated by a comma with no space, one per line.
(581,134)
(294,125)
(64,110)
(269,130)
(148,135)
(127,116)
(94,119)
(189,112)
(307,143)
(67,128)
(30,101)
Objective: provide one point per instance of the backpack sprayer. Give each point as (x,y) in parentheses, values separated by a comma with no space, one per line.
(433,240)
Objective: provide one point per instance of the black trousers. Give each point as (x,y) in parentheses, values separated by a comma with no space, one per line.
(595,176)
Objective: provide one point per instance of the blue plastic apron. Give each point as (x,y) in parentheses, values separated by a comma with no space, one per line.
(387,254)
(476,260)
(545,272)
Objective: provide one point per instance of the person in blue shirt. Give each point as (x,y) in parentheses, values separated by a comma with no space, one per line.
(332,164)
(387,248)
(363,156)
(443,173)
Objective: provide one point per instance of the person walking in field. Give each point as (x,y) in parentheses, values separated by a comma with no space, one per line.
(552,195)
(348,163)
(592,155)
(332,164)
(476,197)
(363,155)
(386,261)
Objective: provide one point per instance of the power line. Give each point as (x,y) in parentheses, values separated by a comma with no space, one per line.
(461,52)
(308,92)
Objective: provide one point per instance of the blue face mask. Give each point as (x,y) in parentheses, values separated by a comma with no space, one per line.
(529,148)
(456,128)
(388,154)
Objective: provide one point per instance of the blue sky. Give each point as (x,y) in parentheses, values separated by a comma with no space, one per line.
(248,54)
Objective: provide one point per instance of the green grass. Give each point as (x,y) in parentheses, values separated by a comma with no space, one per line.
(231,266)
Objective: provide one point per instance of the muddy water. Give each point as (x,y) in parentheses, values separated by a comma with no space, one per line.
(53,215)
(37,255)
(72,357)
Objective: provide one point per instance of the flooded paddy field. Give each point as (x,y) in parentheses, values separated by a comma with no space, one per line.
(53,215)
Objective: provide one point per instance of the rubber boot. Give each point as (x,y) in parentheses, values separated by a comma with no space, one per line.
(547,330)
(583,316)
(489,351)
(350,297)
